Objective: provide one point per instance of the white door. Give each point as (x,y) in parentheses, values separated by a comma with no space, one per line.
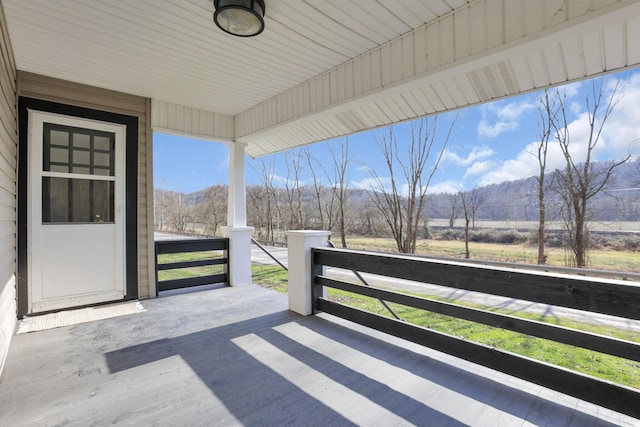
(76,211)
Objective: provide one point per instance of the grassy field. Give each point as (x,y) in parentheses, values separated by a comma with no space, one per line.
(183,273)
(520,253)
(589,362)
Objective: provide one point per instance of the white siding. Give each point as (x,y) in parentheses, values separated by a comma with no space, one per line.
(8,149)
(64,92)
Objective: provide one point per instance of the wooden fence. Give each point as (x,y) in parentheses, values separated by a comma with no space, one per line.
(219,257)
(611,297)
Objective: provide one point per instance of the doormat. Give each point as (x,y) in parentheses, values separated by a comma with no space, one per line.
(73,317)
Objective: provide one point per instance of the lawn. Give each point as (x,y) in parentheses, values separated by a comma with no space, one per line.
(520,253)
(183,273)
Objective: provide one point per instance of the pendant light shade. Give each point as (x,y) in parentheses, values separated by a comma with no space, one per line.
(243,18)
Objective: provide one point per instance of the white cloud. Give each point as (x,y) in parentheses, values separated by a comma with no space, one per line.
(449,186)
(283,180)
(620,137)
(514,110)
(486,130)
(523,166)
(501,117)
(480,167)
(572,89)
(373,183)
(575,107)
(475,154)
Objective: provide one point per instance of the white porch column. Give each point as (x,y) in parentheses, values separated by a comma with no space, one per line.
(300,244)
(236,230)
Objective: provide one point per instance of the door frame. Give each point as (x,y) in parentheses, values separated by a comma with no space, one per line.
(131,191)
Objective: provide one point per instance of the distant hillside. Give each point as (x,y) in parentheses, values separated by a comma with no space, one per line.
(517,200)
(507,201)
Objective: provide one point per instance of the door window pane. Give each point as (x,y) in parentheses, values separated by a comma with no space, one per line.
(102,196)
(59,155)
(80,200)
(81,140)
(60,168)
(102,159)
(56,193)
(68,200)
(103,143)
(81,158)
(59,158)
(59,137)
(91,152)
(81,169)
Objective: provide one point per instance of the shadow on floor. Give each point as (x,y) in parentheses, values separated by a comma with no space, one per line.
(262,375)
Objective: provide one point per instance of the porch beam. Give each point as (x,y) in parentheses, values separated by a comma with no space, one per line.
(174,119)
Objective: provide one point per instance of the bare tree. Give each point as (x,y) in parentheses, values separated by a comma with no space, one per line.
(159,209)
(454,208)
(340,186)
(548,114)
(466,210)
(215,211)
(178,212)
(326,197)
(314,165)
(580,180)
(402,203)
(256,210)
(293,188)
(475,199)
(272,201)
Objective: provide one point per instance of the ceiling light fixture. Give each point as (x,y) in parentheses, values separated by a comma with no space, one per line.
(243,18)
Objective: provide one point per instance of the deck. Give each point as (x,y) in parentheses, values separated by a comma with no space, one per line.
(237,356)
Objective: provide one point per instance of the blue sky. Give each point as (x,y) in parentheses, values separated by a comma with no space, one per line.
(490,143)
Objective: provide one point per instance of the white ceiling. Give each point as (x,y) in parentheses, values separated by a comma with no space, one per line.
(321,68)
(172,50)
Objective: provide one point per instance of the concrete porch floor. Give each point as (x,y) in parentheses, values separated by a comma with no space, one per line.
(237,356)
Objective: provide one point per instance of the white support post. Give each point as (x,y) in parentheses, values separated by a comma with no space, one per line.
(239,234)
(300,289)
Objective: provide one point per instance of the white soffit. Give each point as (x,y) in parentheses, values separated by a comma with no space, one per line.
(484,51)
(322,68)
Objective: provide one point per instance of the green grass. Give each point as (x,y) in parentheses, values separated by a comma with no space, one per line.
(600,365)
(271,276)
(183,273)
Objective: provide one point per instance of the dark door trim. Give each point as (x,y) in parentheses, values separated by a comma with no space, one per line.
(131,190)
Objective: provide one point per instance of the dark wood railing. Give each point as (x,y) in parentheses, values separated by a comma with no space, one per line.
(218,248)
(611,297)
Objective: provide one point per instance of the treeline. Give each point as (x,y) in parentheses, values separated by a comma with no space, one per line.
(271,210)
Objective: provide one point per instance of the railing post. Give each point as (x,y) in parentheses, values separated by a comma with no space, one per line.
(300,243)
(239,255)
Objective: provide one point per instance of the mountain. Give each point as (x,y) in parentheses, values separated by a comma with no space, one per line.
(508,201)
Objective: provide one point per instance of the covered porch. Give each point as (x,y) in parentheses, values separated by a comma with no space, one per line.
(237,355)
(320,70)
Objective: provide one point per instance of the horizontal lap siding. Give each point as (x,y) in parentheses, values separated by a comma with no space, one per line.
(65,92)
(8,149)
